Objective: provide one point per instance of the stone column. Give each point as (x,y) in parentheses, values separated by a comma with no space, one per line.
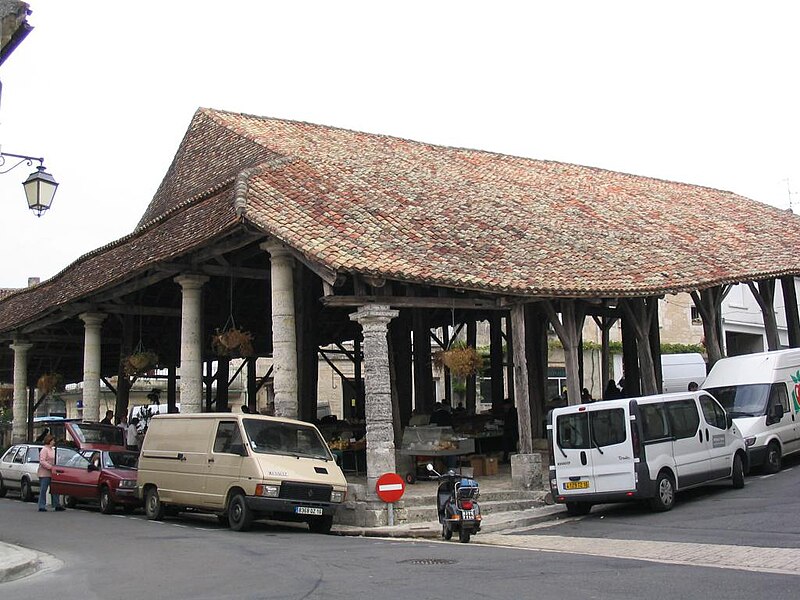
(284,333)
(92,323)
(191,366)
(374,321)
(19,428)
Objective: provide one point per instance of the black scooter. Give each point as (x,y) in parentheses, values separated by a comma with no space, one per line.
(457,505)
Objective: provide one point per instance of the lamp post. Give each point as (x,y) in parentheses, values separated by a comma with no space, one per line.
(40,186)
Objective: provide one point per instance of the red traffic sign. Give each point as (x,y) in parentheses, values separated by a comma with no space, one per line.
(390,487)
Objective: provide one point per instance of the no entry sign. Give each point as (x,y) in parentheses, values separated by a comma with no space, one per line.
(390,487)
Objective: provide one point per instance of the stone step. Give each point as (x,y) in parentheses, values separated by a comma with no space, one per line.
(419,514)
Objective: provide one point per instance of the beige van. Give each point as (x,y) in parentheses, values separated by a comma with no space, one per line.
(241,467)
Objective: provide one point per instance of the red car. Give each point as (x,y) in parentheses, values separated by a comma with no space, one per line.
(107,477)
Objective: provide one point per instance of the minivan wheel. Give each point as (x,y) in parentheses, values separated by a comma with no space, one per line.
(737,477)
(773,464)
(321,524)
(240,516)
(665,493)
(25,491)
(106,502)
(153,508)
(578,509)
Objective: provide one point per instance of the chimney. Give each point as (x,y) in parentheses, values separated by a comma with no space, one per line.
(32,281)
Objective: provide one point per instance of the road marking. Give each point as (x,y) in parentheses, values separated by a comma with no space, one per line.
(784,561)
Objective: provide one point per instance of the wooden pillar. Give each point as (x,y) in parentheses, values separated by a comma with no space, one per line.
(222,375)
(123,383)
(172,388)
(709,304)
(252,385)
(207,378)
(400,353)
(655,344)
(510,357)
(521,376)
(790,307)
(605,323)
(496,362)
(307,344)
(568,329)
(472,337)
(536,351)
(423,374)
(764,293)
(640,315)
(630,359)
(448,387)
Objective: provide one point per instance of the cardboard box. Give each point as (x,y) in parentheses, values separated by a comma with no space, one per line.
(490,466)
(477,463)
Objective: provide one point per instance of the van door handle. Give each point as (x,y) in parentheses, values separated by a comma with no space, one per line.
(210,460)
(583,458)
(706,434)
(701,436)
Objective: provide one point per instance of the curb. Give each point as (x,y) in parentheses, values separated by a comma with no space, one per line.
(17,562)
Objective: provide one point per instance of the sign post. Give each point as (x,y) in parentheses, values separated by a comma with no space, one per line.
(390,488)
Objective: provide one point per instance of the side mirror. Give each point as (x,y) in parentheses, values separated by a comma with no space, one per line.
(429,466)
(728,421)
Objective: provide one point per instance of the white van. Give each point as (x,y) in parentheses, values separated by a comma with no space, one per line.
(762,393)
(679,370)
(643,448)
(241,467)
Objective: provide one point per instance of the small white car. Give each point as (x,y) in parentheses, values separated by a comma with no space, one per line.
(18,468)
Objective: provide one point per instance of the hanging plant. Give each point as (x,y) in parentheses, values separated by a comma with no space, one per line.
(50,382)
(139,362)
(232,342)
(462,361)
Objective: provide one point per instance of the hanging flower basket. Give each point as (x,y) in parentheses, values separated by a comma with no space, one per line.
(140,362)
(462,361)
(232,342)
(50,382)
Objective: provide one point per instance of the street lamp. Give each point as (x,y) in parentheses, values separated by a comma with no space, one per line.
(40,186)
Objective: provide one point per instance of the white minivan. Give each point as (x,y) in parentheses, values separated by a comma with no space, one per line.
(645,448)
(241,467)
(762,393)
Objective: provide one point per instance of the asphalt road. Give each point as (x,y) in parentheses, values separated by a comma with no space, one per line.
(121,557)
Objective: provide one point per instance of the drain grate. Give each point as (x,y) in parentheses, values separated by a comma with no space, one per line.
(428,561)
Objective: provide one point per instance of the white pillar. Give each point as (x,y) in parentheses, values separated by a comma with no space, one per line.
(92,323)
(19,427)
(374,321)
(284,335)
(191,367)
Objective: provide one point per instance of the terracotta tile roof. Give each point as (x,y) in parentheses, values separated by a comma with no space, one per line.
(465,218)
(184,228)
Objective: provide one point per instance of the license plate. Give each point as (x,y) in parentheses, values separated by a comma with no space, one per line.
(307,510)
(468,514)
(576,485)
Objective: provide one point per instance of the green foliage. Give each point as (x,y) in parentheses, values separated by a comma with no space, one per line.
(616,347)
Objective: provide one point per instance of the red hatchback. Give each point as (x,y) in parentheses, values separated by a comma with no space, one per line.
(107,477)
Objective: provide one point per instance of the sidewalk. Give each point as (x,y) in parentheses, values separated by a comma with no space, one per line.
(16,562)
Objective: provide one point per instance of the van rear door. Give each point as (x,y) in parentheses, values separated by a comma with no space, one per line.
(611,448)
(574,473)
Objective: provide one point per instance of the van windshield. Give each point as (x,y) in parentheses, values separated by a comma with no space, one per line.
(742,400)
(290,439)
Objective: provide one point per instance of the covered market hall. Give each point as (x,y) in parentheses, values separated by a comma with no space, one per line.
(307,237)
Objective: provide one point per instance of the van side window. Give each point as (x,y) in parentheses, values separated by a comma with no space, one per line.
(607,426)
(778,395)
(227,436)
(683,418)
(654,422)
(713,412)
(572,431)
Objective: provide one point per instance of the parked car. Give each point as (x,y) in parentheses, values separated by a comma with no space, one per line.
(645,448)
(97,476)
(18,468)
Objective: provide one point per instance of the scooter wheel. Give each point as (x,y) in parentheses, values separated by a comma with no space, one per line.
(447,533)
(463,536)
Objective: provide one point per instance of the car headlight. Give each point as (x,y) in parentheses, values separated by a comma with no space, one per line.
(268,491)
(128,483)
(749,441)
(338,496)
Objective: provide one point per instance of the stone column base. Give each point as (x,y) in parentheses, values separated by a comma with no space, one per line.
(526,471)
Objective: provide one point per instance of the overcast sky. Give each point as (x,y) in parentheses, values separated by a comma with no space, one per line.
(699,92)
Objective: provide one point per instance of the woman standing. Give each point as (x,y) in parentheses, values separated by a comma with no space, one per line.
(47,458)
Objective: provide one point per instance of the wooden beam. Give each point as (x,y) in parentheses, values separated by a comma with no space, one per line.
(126,309)
(413,302)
